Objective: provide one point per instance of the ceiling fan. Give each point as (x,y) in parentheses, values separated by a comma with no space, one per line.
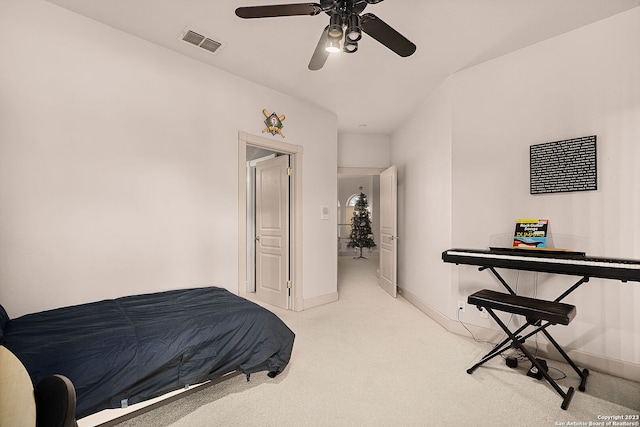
(346,25)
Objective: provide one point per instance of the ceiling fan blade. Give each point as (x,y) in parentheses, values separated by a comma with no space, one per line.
(386,35)
(373,1)
(320,55)
(275,10)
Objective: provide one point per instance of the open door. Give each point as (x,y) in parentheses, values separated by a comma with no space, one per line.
(388,230)
(272,231)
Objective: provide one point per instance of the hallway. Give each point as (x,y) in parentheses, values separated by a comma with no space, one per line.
(358,273)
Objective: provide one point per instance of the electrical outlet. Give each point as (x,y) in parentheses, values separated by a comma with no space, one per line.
(483,313)
(461,306)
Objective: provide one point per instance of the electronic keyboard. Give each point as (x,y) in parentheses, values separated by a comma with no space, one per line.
(548,261)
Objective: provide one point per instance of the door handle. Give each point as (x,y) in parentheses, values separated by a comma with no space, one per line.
(257,238)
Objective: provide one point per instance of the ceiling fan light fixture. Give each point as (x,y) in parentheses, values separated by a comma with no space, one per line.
(333,45)
(350,46)
(353,28)
(335,26)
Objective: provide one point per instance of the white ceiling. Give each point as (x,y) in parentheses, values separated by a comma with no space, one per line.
(372,87)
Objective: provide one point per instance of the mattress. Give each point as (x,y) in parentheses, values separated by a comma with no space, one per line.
(123,351)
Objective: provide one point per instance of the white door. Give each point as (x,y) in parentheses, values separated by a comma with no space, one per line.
(272,231)
(388,230)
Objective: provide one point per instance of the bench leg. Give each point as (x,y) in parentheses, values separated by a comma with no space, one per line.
(583,374)
(497,349)
(516,342)
(502,346)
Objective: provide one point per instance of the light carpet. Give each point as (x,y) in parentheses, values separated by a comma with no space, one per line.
(372,360)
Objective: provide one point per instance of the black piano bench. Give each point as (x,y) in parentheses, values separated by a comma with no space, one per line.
(539,314)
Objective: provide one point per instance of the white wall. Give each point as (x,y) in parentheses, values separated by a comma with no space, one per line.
(364,150)
(421,150)
(118,165)
(471,138)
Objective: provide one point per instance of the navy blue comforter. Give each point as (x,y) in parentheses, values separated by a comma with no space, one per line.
(143,346)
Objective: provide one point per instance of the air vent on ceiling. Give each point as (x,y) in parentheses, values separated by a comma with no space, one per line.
(196,39)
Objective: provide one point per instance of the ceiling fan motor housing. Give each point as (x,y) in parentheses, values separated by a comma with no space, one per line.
(345,7)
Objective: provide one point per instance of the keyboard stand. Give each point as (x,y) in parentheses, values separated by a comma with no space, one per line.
(498,349)
(584,279)
(539,313)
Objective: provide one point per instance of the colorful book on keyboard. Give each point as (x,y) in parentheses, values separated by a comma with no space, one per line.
(531,233)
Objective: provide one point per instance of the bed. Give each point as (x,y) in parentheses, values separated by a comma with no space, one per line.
(123,351)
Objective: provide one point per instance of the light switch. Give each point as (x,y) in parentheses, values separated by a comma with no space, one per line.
(324,212)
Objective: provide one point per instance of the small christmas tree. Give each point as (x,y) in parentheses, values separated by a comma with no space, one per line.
(361,235)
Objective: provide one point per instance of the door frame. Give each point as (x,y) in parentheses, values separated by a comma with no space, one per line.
(362,171)
(346,172)
(295,239)
(350,172)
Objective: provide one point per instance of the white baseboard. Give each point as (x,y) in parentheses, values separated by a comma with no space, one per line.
(618,368)
(320,300)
